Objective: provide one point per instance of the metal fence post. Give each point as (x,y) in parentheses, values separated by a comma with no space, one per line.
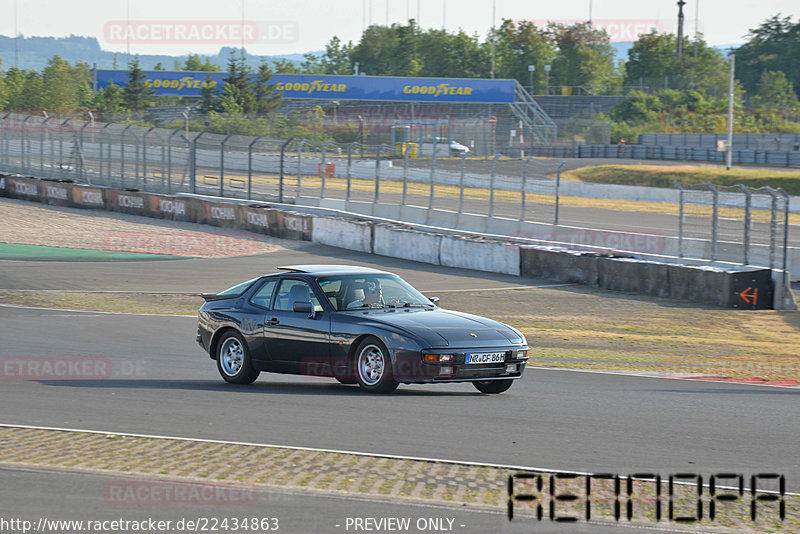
(714,220)
(558,191)
(405,174)
(524,186)
(680,216)
(60,144)
(144,156)
(350,148)
(461,183)
(4,141)
(747,222)
(250,167)
(378,172)
(80,140)
(433,175)
(108,166)
(41,149)
(23,165)
(773,226)
(222,166)
(491,185)
(299,164)
(784,261)
(169,160)
(280,177)
(324,168)
(122,153)
(193,163)
(78,151)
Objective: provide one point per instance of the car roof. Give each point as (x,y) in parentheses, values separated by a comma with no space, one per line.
(330,269)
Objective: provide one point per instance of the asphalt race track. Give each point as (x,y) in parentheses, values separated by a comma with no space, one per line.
(66,492)
(163,384)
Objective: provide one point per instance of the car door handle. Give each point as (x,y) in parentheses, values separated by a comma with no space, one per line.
(273,321)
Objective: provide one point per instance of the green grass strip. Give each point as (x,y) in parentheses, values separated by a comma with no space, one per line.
(41,252)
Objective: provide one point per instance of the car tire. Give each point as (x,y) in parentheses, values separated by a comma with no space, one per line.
(492,386)
(374,367)
(233,359)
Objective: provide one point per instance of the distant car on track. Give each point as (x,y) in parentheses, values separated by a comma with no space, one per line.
(442,146)
(357,325)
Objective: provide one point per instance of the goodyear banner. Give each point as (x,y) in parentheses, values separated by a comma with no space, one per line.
(173,83)
(164,83)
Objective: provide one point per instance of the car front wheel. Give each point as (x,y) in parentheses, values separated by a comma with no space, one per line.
(374,367)
(233,359)
(492,386)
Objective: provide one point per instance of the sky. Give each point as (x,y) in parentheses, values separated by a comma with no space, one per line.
(276,27)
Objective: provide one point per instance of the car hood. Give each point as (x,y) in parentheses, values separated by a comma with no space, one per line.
(444,328)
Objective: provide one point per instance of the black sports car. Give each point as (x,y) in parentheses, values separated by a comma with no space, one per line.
(357,325)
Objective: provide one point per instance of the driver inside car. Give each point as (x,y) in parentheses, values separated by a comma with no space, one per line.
(373,294)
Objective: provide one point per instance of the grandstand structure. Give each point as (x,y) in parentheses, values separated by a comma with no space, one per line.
(469,123)
(483,114)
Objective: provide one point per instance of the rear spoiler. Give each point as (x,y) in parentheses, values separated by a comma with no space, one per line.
(213,296)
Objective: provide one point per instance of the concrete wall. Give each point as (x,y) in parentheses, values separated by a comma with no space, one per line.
(733,287)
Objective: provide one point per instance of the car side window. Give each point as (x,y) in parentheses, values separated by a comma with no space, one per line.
(263,296)
(291,291)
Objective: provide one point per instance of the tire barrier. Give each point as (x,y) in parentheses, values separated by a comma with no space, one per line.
(730,288)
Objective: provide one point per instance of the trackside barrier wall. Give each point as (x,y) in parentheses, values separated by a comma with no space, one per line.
(352,235)
(391,240)
(709,285)
(480,255)
(746,289)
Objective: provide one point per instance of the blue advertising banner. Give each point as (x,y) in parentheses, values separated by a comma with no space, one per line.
(164,83)
(175,83)
(394,88)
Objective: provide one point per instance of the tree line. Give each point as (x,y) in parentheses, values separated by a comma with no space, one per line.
(656,78)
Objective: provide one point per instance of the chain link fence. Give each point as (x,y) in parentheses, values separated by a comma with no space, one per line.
(732,224)
(735,224)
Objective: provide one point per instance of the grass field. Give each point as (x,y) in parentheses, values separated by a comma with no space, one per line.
(664,175)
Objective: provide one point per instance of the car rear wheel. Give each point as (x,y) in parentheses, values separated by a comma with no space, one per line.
(492,386)
(374,367)
(233,359)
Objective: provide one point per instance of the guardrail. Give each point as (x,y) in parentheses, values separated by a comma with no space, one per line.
(747,227)
(751,156)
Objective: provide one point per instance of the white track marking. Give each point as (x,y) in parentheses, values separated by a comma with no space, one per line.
(94,311)
(648,374)
(543,286)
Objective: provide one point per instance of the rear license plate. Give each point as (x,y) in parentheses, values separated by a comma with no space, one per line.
(486,357)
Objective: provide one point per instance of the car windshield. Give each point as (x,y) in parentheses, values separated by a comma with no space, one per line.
(351,292)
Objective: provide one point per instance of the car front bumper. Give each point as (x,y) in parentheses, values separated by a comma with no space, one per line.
(409,366)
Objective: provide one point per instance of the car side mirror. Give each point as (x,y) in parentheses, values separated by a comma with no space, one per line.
(304,306)
(434,300)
